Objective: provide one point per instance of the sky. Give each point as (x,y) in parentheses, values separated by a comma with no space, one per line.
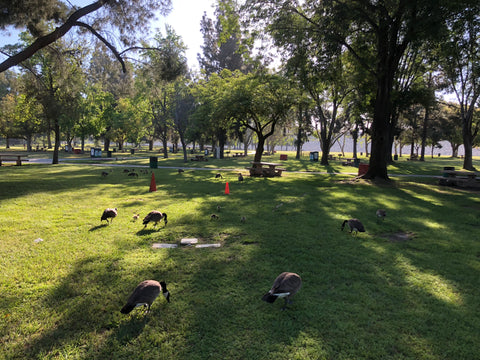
(185,19)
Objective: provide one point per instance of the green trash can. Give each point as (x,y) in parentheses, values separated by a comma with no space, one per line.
(153,162)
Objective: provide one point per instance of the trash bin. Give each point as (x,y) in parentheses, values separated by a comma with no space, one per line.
(395,157)
(362,169)
(109,154)
(153,162)
(283,156)
(356,162)
(132,151)
(95,152)
(206,152)
(313,155)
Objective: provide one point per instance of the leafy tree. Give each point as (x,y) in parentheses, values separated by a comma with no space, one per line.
(128,18)
(162,63)
(376,33)
(110,85)
(182,110)
(259,102)
(8,93)
(54,78)
(223,48)
(28,119)
(459,56)
(450,125)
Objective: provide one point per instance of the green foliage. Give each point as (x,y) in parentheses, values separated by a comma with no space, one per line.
(364,297)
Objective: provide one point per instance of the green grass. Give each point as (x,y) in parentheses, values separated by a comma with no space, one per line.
(362,298)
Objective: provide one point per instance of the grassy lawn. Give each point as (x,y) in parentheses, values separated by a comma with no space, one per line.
(369,297)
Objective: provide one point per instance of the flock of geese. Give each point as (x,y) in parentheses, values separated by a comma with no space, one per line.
(285,285)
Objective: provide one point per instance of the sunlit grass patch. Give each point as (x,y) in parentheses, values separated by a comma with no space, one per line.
(362,297)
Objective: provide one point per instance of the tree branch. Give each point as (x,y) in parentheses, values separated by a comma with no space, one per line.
(107,44)
(46,40)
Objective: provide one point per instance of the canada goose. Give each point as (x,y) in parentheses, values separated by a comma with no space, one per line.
(144,295)
(218,175)
(132,173)
(180,171)
(126,170)
(154,216)
(214,216)
(240,177)
(355,226)
(108,214)
(285,286)
(135,217)
(381,214)
(104,173)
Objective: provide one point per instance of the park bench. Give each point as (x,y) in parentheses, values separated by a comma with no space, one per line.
(12,158)
(265,169)
(470,179)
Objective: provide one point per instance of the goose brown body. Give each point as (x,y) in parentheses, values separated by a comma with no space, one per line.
(108,214)
(355,225)
(144,295)
(156,217)
(285,286)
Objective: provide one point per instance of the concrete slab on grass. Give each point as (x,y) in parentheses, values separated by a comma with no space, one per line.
(189,241)
(164,246)
(207,245)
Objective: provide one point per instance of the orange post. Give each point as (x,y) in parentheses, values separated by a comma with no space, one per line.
(227,189)
(153,186)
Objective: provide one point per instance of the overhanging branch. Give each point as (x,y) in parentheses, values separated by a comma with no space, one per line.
(46,40)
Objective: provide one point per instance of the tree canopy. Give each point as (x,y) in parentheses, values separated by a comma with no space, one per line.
(127,19)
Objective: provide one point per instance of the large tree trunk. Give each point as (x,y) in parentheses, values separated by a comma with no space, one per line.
(260,147)
(381,126)
(424,133)
(467,146)
(380,132)
(29,143)
(165,147)
(222,137)
(106,144)
(57,142)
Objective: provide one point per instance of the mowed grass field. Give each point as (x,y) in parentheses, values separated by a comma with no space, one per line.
(407,288)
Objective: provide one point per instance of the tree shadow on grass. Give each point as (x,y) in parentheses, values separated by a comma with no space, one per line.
(130,329)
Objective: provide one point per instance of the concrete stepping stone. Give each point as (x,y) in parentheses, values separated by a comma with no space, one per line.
(188,241)
(164,246)
(207,245)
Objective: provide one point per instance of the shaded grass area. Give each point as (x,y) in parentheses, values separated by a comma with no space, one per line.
(364,297)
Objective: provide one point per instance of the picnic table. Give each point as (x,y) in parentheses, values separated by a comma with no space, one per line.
(460,178)
(12,158)
(265,169)
(199,158)
(349,162)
